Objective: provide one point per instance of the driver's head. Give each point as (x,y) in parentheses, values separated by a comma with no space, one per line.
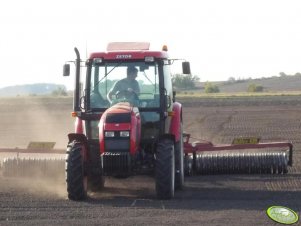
(132,72)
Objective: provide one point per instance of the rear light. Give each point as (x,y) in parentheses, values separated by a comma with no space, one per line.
(109,134)
(124,133)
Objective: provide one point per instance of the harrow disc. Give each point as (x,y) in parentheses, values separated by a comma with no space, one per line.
(242,163)
(33,167)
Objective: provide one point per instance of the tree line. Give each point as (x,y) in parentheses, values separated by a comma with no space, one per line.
(186,82)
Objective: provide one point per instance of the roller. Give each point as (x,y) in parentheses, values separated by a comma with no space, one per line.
(33,167)
(243,163)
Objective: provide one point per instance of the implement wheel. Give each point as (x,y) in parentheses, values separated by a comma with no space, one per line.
(76,177)
(165,169)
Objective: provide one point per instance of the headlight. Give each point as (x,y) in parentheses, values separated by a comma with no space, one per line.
(124,133)
(109,134)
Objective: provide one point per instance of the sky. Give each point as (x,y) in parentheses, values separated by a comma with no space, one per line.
(221,39)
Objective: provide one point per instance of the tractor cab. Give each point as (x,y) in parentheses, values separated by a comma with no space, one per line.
(109,85)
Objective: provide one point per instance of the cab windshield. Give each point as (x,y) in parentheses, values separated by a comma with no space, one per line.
(112,82)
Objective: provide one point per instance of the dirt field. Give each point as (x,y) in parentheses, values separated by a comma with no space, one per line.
(206,200)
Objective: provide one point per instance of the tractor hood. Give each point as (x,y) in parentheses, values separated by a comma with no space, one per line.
(122,118)
(118,115)
(122,107)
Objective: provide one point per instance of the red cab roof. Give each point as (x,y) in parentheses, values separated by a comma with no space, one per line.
(128,51)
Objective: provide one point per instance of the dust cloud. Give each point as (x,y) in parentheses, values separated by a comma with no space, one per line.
(36,186)
(25,119)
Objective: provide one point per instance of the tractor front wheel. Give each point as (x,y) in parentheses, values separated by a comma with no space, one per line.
(165,169)
(76,177)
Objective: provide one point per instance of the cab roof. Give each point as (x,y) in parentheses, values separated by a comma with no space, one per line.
(129,51)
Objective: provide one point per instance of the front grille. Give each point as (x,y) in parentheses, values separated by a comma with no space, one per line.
(117,144)
(116,163)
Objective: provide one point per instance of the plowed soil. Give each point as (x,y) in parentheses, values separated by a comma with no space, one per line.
(205,200)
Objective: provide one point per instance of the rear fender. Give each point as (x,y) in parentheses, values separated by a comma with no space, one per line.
(176,121)
(79,125)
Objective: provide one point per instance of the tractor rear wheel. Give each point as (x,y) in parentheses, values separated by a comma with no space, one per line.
(76,177)
(165,169)
(179,161)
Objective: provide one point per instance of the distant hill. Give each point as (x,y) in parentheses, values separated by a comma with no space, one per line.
(30,89)
(271,84)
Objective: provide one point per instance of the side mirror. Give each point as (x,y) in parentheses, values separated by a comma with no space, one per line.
(186,68)
(66,70)
(82,102)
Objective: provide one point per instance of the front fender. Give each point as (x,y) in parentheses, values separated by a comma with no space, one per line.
(82,139)
(78,137)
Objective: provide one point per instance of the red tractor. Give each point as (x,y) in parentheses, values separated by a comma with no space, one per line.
(123,129)
(129,133)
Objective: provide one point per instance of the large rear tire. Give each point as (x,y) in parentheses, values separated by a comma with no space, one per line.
(76,177)
(179,161)
(165,169)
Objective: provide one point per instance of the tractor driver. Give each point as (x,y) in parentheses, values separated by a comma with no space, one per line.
(128,84)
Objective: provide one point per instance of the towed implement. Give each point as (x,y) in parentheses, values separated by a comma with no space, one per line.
(39,159)
(206,158)
(122,130)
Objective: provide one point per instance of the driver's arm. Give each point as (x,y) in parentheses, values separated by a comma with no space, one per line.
(112,91)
